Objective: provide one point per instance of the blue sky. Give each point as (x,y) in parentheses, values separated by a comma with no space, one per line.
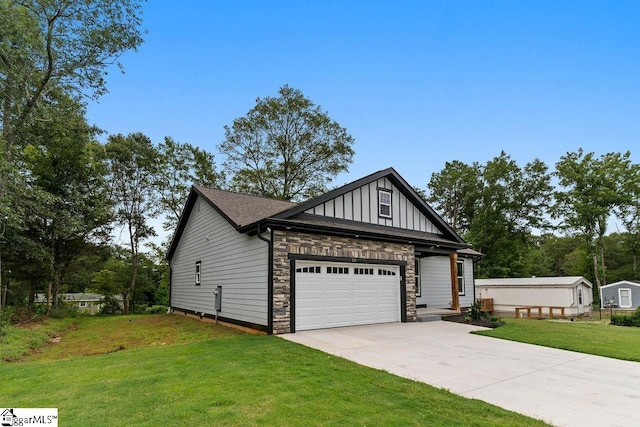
(417,83)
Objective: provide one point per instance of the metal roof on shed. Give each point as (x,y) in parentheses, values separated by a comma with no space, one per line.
(534,281)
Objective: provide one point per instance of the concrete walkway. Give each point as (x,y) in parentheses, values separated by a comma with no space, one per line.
(560,387)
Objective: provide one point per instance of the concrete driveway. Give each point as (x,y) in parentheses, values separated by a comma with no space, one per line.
(560,387)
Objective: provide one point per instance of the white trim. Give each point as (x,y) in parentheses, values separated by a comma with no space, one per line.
(416,274)
(461,276)
(198,272)
(381,204)
(620,298)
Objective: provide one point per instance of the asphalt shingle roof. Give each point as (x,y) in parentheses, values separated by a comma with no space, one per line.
(244,209)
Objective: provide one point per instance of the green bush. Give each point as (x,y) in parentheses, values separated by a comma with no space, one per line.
(5,320)
(495,321)
(64,310)
(110,306)
(632,320)
(156,309)
(475,312)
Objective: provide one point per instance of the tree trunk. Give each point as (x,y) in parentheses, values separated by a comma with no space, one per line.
(32,293)
(602,264)
(596,274)
(49,285)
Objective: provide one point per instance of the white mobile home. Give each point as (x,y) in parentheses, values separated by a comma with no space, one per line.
(574,294)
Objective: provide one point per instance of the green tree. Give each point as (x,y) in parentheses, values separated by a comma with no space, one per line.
(453,192)
(62,45)
(629,214)
(63,161)
(591,188)
(286,148)
(133,169)
(510,207)
(183,166)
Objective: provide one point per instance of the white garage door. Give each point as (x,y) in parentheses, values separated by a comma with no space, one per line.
(329,295)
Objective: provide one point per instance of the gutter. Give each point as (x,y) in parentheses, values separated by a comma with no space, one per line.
(269,277)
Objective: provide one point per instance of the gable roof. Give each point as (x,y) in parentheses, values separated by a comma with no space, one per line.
(246,212)
(392,175)
(534,282)
(242,209)
(237,208)
(621,283)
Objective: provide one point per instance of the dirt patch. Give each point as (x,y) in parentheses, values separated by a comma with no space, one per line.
(485,322)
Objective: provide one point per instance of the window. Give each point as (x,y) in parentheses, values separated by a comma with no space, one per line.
(383,272)
(83,304)
(312,269)
(367,271)
(580,296)
(460,277)
(198,267)
(625,298)
(337,270)
(384,203)
(418,282)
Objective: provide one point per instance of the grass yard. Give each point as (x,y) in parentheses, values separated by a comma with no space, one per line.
(590,337)
(196,373)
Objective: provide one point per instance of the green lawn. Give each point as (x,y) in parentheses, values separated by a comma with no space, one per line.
(232,379)
(591,337)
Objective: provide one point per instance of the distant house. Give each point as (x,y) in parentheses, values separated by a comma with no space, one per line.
(371,251)
(85,303)
(573,293)
(623,294)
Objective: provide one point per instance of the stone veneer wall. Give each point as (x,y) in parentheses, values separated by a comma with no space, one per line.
(288,242)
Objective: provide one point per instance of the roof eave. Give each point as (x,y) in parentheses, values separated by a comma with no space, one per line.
(345,232)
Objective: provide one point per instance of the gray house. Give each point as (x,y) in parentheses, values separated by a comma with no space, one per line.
(623,294)
(371,251)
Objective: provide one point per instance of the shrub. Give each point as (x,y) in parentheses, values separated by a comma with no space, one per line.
(64,310)
(155,309)
(632,320)
(110,306)
(494,322)
(5,320)
(475,312)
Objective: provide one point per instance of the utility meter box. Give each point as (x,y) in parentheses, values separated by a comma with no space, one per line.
(218,294)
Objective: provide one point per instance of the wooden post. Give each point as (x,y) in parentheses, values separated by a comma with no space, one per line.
(455,299)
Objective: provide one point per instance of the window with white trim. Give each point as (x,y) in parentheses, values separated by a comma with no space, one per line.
(625,297)
(384,203)
(580,296)
(198,272)
(460,277)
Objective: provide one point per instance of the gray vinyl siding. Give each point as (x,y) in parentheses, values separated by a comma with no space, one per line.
(610,292)
(469,283)
(361,205)
(435,277)
(235,261)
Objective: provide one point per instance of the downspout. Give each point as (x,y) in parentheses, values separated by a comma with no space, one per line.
(170,280)
(269,278)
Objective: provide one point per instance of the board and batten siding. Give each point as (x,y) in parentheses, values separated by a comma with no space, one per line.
(235,261)
(361,205)
(435,279)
